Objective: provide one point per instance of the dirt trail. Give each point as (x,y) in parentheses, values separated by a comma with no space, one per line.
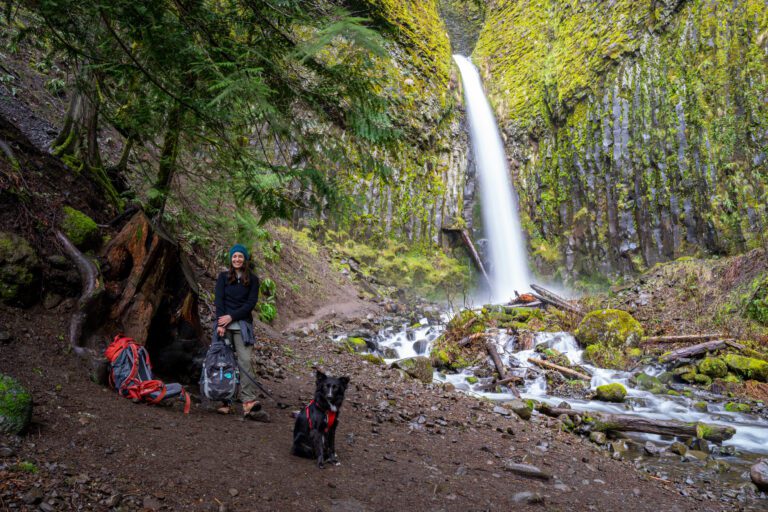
(403,445)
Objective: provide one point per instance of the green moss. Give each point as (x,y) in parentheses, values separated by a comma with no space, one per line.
(80,228)
(353,344)
(25,467)
(700,406)
(613,392)
(738,407)
(471,379)
(747,367)
(610,328)
(713,367)
(15,406)
(19,270)
(373,359)
(606,357)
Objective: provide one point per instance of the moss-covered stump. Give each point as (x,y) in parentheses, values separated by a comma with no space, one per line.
(19,271)
(609,328)
(613,392)
(747,367)
(417,367)
(713,367)
(15,406)
(80,229)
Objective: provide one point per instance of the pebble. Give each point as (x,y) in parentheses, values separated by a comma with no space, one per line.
(233,492)
(501,411)
(527,497)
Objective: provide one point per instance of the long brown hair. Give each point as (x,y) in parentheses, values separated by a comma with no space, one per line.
(246,270)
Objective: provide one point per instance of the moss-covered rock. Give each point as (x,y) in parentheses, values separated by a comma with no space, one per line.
(737,407)
(471,379)
(417,367)
(80,229)
(613,392)
(373,359)
(747,367)
(19,271)
(353,344)
(648,383)
(606,357)
(15,406)
(713,367)
(609,328)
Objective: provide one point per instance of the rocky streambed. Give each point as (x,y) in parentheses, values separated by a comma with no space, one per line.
(455,352)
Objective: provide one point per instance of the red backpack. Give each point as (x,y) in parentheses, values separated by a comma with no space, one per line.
(130,374)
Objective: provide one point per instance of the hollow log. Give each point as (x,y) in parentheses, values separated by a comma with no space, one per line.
(628,423)
(562,369)
(154,296)
(701,348)
(684,338)
(93,289)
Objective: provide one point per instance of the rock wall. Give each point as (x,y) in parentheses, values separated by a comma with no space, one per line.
(637,131)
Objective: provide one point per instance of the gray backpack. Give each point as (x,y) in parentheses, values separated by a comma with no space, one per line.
(220,377)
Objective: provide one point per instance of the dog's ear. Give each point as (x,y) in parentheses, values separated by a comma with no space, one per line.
(344,381)
(320,376)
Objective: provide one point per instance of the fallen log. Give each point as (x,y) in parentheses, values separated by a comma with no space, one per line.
(472,337)
(562,369)
(701,348)
(491,348)
(552,298)
(93,288)
(473,254)
(628,423)
(684,338)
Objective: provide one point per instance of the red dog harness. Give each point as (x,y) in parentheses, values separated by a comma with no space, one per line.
(330,417)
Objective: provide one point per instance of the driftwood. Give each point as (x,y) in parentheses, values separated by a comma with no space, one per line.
(701,348)
(555,300)
(93,289)
(562,369)
(491,348)
(628,423)
(684,338)
(472,337)
(473,254)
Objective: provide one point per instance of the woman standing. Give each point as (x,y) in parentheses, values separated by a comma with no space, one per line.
(237,291)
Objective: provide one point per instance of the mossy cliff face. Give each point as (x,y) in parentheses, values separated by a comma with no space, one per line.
(422,187)
(637,130)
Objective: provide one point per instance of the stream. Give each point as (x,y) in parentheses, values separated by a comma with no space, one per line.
(729,463)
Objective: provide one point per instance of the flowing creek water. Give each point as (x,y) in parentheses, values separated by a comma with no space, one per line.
(739,452)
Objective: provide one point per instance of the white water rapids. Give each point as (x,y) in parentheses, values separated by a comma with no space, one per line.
(501,222)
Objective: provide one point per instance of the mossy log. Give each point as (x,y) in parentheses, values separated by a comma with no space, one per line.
(684,338)
(555,300)
(628,423)
(562,369)
(701,348)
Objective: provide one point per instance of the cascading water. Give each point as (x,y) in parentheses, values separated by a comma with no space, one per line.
(508,258)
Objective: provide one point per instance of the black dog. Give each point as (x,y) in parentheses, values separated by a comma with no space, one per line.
(314,434)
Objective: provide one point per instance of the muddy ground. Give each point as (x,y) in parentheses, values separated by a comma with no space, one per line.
(403,445)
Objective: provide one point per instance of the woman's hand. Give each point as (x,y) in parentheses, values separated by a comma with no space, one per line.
(220,331)
(224,320)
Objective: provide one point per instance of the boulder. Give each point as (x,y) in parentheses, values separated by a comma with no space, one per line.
(609,327)
(648,383)
(759,474)
(80,229)
(713,367)
(747,367)
(15,406)
(606,357)
(417,367)
(19,271)
(613,392)
(519,407)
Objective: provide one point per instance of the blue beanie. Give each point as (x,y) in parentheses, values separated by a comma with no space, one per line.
(239,248)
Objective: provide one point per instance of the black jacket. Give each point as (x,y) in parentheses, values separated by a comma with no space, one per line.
(236,299)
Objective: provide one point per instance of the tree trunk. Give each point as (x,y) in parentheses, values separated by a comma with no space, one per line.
(701,348)
(684,338)
(154,297)
(627,423)
(168,158)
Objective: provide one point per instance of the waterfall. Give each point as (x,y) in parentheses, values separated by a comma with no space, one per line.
(507,252)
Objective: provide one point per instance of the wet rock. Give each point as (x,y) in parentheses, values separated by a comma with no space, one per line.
(389,353)
(519,407)
(759,474)
(420,346)
(651,449)
(15,406)
(678,448)
(598,437)
(501,411)
(695,455)
(698,444)
(648,383)
(614,392)
(527,497)
(417,367)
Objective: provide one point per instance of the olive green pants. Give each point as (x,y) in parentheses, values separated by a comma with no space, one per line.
(244,353)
